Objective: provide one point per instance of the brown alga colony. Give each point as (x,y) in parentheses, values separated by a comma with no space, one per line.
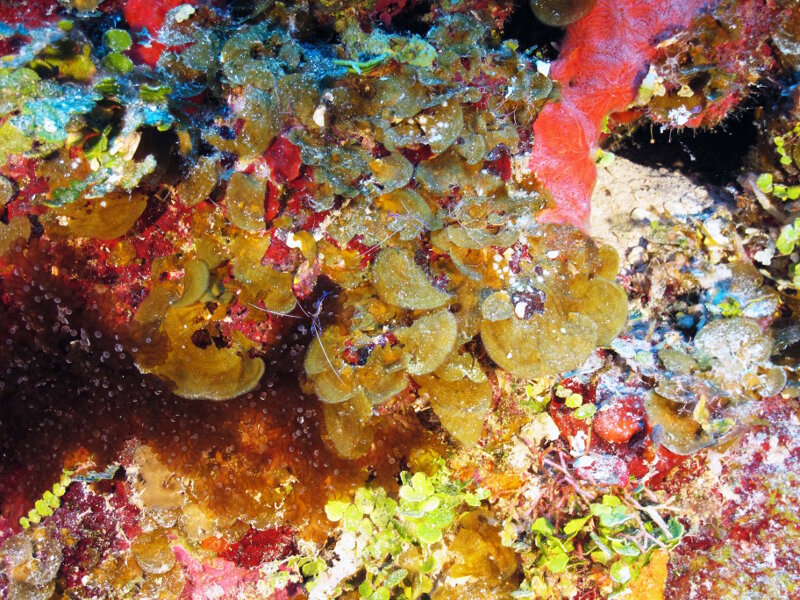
(400,181)
(212,201)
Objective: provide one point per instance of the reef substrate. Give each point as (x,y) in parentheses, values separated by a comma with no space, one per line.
(298,300)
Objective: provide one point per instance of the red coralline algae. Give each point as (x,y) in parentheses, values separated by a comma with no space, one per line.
(261,545)
(603,60)
(283,158)
(220,575)
(620,420)
(28,14)
(255,324)
(748,515)
(92,526)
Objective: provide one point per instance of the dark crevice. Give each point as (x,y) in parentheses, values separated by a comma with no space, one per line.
(412,20)
(95,26)
(711,155)
(530,32)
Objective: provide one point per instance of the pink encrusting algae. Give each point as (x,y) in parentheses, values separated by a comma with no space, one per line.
(603,60)
(217,576)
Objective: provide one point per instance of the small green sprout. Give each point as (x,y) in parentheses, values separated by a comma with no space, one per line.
(603,158)
(426,510)
(562,392)
(117,40)
(360,67)
(49,501)
(764,182)
(312,567)
(788,238)
(573,400)
(618,534)
(785,192)
(585,412)
(786,146)
(118,63)
(620,572)
(537,395)
(96,144)
(154,93)
(730,308)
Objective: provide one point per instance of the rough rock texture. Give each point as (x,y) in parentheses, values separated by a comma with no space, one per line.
(627,194)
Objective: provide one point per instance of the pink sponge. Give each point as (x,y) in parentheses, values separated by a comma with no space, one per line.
(603,60)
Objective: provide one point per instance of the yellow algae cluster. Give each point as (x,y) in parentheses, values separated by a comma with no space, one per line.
(344,152)
(390,171)
(438,323)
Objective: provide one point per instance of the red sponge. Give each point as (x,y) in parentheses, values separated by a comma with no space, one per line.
(150,14)
(603,60)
